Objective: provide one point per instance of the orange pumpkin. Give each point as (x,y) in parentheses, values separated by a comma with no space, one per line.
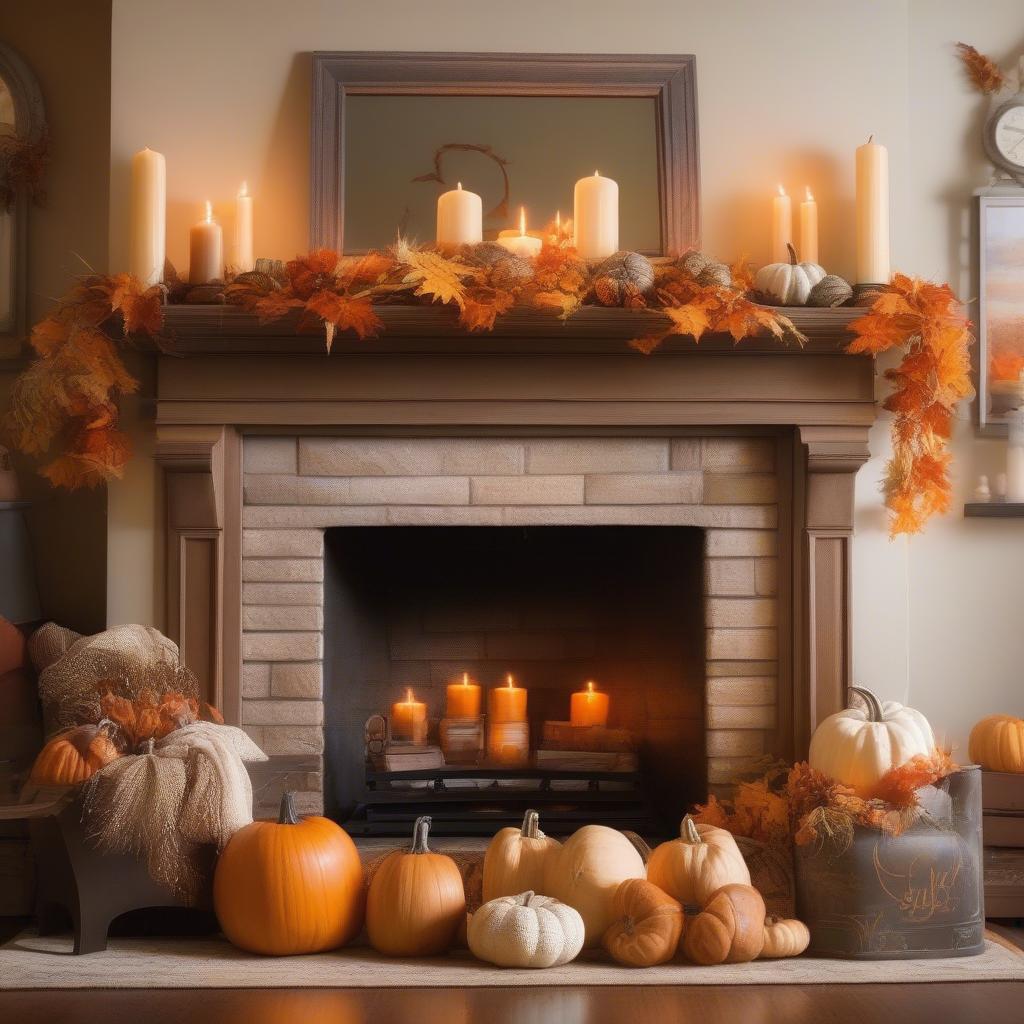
(73,756)
(700,861)
(997,743)
(730,928)
(646,927)
(290,886)
(417,903)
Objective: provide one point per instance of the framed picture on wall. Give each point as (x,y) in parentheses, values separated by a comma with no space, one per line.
(1000,307)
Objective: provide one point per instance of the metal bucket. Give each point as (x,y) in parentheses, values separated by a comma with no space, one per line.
(919,894)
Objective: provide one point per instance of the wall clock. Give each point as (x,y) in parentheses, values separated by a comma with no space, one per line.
(1004,137)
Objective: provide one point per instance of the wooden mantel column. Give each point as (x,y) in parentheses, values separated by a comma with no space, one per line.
(823,556)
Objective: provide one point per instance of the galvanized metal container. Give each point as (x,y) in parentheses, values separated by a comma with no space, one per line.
(919,894)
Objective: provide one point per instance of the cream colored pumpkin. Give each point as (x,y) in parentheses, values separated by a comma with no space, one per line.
(858,747)
(515,858)
(587,870)
(788,284)
(525,931)
(700,861)
(784,936)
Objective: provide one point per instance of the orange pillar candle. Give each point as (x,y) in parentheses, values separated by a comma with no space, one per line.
(409,719)
(463,699)
(588,707)
(507,703)
(206,250)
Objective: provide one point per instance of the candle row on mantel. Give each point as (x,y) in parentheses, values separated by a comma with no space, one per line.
(595,220)
(147,246)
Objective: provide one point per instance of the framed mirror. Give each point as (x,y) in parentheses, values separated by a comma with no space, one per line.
(391,131)
(22,127)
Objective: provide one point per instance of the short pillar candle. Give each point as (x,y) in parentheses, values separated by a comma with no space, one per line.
(409,719)
(507,703)
(463,699)
(206,250)
(460,218)
(595,217)
(589,707)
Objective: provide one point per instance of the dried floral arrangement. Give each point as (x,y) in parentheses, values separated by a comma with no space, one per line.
(23,164)
(67,399)
(803,806)
(985,75)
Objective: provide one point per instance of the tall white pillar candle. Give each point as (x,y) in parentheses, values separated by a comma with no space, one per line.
(809,229)
(596,217)
(148,218)
(782,226)
(243,257)
(460,218)
(206,250)
(872,213)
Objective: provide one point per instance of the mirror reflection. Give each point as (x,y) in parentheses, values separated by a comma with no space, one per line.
(513,151)
(7,127)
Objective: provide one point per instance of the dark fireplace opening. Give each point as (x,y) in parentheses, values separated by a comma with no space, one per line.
(555,606)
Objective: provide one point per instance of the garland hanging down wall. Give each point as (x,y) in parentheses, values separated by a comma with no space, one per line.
(64,406)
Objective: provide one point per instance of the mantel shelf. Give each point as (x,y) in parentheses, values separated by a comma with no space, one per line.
(221,329)
(994,509)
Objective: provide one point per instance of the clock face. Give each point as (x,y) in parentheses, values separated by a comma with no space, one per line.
(1009,135)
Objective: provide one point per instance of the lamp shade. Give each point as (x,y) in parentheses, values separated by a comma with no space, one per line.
(19,598)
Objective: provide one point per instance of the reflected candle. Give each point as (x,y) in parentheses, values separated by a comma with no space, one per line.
(409,719)
(206,250)
(463,699)
(595,217)
(588,707)
(507,703)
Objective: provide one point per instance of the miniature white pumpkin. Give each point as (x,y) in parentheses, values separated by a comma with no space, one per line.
(858,747)
(788,284)
(525,931)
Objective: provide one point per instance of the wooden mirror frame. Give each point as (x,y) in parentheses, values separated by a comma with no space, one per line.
(30,122)
(669,80)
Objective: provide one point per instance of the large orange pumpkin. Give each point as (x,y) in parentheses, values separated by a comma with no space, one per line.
(417,902)
(997,743)
(73,756)
(729,930)
(646,924)
(289,886)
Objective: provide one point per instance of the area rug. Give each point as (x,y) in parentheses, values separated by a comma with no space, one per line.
(32,962)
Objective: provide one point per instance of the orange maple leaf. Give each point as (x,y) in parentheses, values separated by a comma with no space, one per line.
(312,273)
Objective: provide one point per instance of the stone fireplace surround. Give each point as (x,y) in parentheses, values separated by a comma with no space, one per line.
(264,443)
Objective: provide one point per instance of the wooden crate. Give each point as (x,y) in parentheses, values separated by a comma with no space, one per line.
(1002,798)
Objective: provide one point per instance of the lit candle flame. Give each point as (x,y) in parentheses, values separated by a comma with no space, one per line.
(408,696)
(782,191)
(465,679)
(244,190)
(459,186)
(522,220)
(209,212)
(809,194)
(590,686)
(558,220)
(596,174)
(510,683)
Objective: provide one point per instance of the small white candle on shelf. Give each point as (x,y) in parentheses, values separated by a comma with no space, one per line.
(242,255)
(782,227)
(809,228)
(460,218)
(596,217)
(519,242)
(872,213)
(148,219)
(206,250)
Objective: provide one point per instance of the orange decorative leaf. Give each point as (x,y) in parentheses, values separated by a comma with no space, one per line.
(312,273)
(983,72)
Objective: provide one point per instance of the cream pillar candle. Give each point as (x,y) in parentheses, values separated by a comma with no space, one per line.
(872,213)
(809,228)
(243,257)
(460,218)
(519,242)
(596,217)
(782,227)
(148,220)
(206,250)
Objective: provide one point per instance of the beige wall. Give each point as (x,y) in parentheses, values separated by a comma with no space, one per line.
(67,45)
(786,91)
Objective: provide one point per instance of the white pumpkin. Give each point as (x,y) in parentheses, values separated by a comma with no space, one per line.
(514,861)
(858,747)
(525,931)
(788,284)
(587,870)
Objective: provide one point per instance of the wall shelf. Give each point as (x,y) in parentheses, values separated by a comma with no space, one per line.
(994,509)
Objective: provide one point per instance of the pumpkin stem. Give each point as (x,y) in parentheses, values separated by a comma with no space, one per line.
(688,831)
(150,744)
(531,825)
(287,814)
(420,831)
(873,703)
(793,261)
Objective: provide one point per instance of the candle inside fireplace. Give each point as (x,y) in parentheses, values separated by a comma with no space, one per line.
(518,241)
(148,220)
(589,707)
(243,255)
(409,719)
(809,229)
(463,699)
(460,218)
(206,250)
(507,703)
(596,217)
(782,227)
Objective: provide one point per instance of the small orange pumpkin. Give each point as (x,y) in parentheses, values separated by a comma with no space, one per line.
(73,756)
(997,743)
(784,936)
(729,930)
(289,886)
(646,927)
(417,903)
(699,862)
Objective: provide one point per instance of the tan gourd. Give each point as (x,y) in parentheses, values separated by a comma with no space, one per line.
(646,925)
(701,860)
(526,930)
(784,936)
(515,858)
(587,870)
(788,284)
(997,743)
(729,930)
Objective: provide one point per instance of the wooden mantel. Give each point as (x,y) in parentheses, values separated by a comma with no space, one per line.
(229,375)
